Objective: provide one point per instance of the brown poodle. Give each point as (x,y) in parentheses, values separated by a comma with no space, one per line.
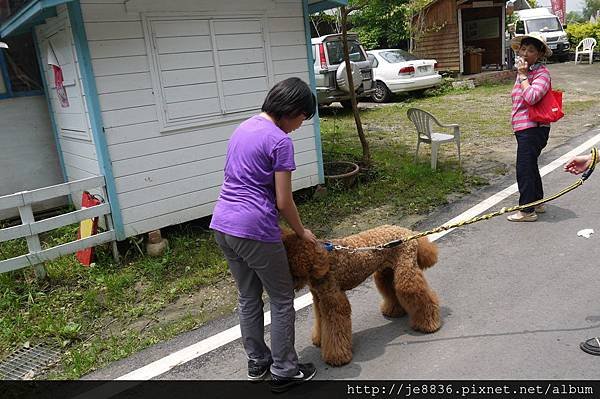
(398,276)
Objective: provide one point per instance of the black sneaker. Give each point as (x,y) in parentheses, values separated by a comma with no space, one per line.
(306,372)
(256,372)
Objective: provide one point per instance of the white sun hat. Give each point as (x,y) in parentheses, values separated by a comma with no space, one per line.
(515,43)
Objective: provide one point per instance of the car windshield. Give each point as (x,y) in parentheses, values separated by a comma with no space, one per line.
(543,25)
(335,50)
(396,56)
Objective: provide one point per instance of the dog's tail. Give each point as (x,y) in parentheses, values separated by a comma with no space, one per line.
(427,253)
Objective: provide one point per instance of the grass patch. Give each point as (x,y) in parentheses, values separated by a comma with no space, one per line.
(397,182)
(73,308)
(571,107)
(480,112)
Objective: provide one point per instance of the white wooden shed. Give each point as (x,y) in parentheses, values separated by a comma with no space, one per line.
(155,88)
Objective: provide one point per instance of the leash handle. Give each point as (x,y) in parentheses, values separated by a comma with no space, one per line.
(590,170)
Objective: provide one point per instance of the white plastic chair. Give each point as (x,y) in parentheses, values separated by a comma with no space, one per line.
(424,122)
(588,45)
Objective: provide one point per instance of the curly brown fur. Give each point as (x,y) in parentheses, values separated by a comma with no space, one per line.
(398,276)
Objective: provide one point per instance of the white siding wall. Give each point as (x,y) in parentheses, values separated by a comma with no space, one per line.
(168,177)
(28,156)
(79,152)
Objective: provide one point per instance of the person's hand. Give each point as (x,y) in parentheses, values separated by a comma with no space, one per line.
(308,235)
(522,66)
(578,164)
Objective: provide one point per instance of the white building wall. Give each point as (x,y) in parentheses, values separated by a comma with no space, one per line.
(163,176)
(28,156)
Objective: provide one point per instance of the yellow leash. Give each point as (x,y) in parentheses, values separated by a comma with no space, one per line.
(476,219)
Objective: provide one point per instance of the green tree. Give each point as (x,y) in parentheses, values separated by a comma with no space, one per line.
(591,8)
(574,17)
(380,23)
(533,3)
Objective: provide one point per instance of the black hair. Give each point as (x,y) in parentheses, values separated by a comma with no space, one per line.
(539,46)
(290,98)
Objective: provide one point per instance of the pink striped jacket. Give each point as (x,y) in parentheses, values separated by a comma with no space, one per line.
(539,80)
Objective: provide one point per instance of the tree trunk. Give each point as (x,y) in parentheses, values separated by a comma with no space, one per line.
(366,154)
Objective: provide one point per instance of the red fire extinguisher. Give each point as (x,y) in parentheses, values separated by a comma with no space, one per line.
(87,228)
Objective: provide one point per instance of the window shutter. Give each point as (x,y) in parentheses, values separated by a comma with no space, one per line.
(242,58)
(207,69)
(183,50)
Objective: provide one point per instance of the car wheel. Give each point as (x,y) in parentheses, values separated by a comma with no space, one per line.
(347,104)
(382,94)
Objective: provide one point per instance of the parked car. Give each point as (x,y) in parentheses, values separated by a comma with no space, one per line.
(330,69)
(396,71)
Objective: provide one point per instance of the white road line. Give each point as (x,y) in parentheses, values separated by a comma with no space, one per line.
(216,341)
(209,344)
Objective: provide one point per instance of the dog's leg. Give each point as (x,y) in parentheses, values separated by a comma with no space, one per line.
(316,334)
(390,307)
(418,299)
(336,328)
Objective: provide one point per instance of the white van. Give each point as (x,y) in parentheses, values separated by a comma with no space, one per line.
(548,25)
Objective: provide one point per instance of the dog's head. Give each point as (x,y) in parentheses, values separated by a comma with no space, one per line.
(306,260)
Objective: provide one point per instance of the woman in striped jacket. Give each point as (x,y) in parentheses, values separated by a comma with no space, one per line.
(531,85)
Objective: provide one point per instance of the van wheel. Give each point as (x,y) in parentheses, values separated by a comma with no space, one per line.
(347,104)
(382,94)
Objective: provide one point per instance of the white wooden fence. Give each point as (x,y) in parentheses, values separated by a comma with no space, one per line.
(30,229)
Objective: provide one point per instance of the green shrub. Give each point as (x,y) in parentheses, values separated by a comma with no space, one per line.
(578,32)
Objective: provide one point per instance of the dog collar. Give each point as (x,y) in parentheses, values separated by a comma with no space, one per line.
(328,246)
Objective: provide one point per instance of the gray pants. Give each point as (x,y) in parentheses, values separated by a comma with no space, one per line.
(254,265)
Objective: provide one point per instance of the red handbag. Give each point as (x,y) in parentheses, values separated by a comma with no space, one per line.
(548,109)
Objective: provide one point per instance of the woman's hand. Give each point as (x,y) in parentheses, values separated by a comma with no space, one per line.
(308,235)
(578,164)
(522,66)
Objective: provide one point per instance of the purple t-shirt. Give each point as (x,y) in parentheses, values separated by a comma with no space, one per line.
(246,207)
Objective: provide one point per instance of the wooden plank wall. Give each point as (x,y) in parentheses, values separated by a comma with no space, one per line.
(165,178)
(440,44)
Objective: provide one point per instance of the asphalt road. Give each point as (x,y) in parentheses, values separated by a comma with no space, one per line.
(517,299)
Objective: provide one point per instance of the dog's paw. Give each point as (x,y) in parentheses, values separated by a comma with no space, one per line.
(426,324)
(392,309)
(316,340)
(338,358)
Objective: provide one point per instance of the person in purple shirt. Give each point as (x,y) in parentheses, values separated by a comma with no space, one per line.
(257,188)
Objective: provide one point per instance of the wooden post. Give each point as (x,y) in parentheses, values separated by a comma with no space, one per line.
(113,244)
(33,242)
(110,226)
